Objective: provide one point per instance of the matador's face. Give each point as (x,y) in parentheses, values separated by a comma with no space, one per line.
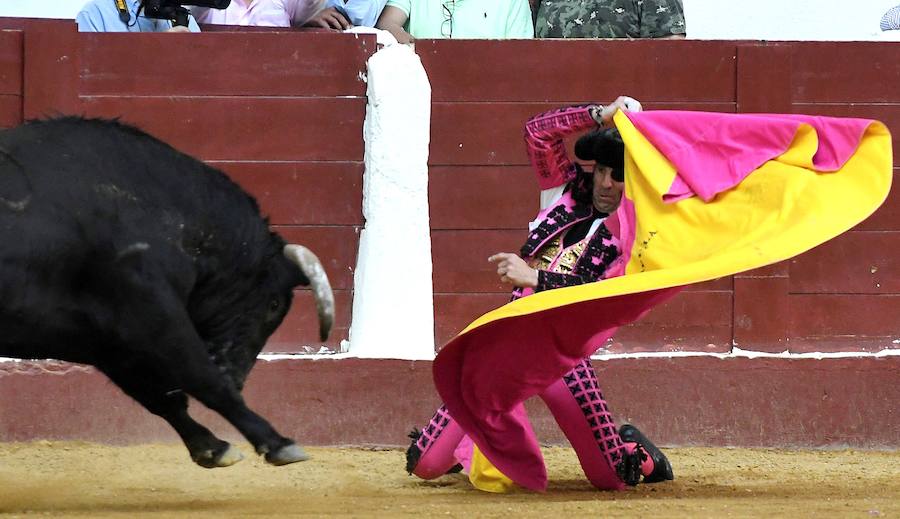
(607,193)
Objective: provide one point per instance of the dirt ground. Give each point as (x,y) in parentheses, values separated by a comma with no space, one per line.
(89,480)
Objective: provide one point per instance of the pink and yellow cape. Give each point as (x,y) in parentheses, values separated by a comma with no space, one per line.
(707,195)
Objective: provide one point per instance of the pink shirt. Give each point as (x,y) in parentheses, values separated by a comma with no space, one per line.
(271,13)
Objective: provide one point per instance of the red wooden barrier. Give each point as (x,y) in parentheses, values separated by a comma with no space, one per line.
(11,61)
(483,93)
(282,112)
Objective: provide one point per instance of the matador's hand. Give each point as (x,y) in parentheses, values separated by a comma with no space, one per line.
(603,115)
(513,270)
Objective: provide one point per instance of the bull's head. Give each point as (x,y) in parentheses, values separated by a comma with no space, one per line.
(235,340)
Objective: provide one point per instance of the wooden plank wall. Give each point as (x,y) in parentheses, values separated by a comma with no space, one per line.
(844,294)
(282,113)
(39,58)
(11,62)
(848,290)
(482,191)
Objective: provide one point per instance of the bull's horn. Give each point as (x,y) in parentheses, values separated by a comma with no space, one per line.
(318,281)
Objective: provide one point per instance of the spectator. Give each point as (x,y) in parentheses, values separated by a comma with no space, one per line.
(269,13)
(343,14)
(610,19)
(891,19)
(410,19)
(104,16)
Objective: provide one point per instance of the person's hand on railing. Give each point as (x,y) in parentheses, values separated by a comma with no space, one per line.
(329,18)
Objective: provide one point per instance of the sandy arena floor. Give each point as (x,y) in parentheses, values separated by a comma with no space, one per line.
(88,480)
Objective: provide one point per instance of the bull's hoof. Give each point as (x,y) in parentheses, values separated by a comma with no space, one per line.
(288,454)
(210,460)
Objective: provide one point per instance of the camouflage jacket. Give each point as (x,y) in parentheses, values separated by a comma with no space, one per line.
(609,18)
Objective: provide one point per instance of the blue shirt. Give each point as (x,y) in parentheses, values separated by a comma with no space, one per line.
(359,12)
(102,16)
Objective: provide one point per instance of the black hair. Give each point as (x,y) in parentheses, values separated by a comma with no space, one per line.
(605,147)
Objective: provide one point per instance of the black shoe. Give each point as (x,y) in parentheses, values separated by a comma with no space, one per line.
(413,453)
(662,469)
(455,469)
(629,467)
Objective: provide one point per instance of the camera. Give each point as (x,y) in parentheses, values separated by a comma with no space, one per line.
(175,11)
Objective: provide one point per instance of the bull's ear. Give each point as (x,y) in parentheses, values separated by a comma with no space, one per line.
(312,268)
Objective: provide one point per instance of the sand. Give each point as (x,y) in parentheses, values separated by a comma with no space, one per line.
(88,480)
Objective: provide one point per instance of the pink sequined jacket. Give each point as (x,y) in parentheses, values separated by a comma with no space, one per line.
(591,261)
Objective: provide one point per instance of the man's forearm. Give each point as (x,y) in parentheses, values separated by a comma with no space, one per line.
(397,32)
(544,142)
(392,20)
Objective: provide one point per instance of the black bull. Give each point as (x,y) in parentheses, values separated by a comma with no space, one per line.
(118,251)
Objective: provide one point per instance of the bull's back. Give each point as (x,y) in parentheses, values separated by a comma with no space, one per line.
(76,164)
(75,197)
(98,173)
(70,187)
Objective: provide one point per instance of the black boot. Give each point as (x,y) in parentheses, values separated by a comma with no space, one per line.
(413,453)
(662,469)
(629,467)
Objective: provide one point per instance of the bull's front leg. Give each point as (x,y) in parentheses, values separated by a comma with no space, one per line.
(194,373)
(147,387)
(218,393)
(152,322)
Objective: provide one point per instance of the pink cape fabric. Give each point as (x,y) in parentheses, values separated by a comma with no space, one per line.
(713,152)
(483,374)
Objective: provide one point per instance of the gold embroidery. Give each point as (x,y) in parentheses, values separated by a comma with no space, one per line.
(544,258)
(569,257)
(553,258)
